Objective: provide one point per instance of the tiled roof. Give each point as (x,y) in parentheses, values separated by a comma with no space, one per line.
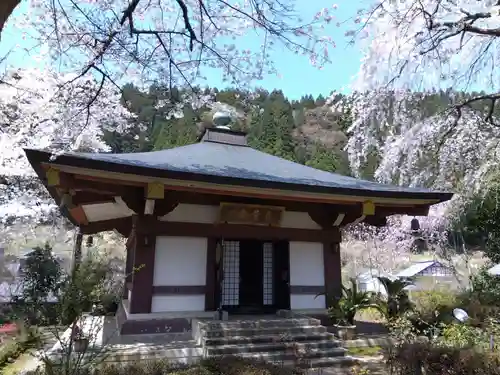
(237,162)
(495,270)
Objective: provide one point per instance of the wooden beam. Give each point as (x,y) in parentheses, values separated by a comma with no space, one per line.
(149,207)
(137,194)
(155,191)
(149,225)
(332,269)
(326,216)
(211,275)
(70,182)
(368,208)
(123,205)
(122,225)
(53,177)
(143,275)
(376,221)
(164,206)
(85,197)
(79,215)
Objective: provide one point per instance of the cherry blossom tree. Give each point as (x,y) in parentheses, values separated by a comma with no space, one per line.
(424,46)
(6,9)
(41,109)
(415,146)
(173,42)
(430,44)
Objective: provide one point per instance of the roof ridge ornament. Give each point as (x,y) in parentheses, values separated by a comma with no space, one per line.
(222,120)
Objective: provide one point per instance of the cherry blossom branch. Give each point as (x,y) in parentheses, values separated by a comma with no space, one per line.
(187,23)
(492,98)
(6,9)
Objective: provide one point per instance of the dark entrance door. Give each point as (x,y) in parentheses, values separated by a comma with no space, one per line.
(281,263)
(251,276)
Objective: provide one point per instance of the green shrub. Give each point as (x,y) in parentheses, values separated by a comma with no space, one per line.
(429,302)
(212,366)
(486,287)
(463,336)
(432,308)
(438,360)
(478,311)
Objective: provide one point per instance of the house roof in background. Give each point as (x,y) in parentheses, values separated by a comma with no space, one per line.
(495,270)
(416,268)
(368,275)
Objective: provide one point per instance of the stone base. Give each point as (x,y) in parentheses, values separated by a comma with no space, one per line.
(157,323)
(223,315)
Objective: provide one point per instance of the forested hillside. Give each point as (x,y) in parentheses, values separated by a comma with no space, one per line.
(304,131)
(310,131)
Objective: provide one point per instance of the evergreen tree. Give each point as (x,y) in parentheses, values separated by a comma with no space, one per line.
(324,159)
(320,101)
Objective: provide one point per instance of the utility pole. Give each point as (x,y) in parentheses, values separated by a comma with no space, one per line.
(77,250)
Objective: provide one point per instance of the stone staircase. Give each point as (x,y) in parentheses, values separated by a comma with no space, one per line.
(301,342)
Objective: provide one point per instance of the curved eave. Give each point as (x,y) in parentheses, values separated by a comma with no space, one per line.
(37,157)
(37,167)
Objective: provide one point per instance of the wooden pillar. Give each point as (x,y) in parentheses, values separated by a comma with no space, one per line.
(143,273)
(333,270)
(129,267)
(210,283)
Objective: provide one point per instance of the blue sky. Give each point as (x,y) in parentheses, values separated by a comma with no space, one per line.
(297,76)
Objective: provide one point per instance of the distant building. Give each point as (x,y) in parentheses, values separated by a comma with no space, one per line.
(368,281)
(429,274)
(495,270)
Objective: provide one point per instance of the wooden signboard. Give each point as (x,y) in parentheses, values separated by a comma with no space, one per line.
(236,213)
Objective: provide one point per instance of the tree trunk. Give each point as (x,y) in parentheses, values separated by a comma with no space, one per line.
(6,9)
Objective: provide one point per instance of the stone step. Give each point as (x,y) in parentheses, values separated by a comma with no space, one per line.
(304,362)
(289,331)
(338,362)
(273,347)
(286,355)
(256,324)
(315,348)
(263,337)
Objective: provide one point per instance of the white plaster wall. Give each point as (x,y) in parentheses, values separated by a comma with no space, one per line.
(195,213)
(298,220)
(104,211)
(306,269)
(307,301)
(179,261)
(178,303)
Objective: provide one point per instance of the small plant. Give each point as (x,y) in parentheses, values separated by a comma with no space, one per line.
(402,330)
(343,310)
(359,370)
(397,301)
